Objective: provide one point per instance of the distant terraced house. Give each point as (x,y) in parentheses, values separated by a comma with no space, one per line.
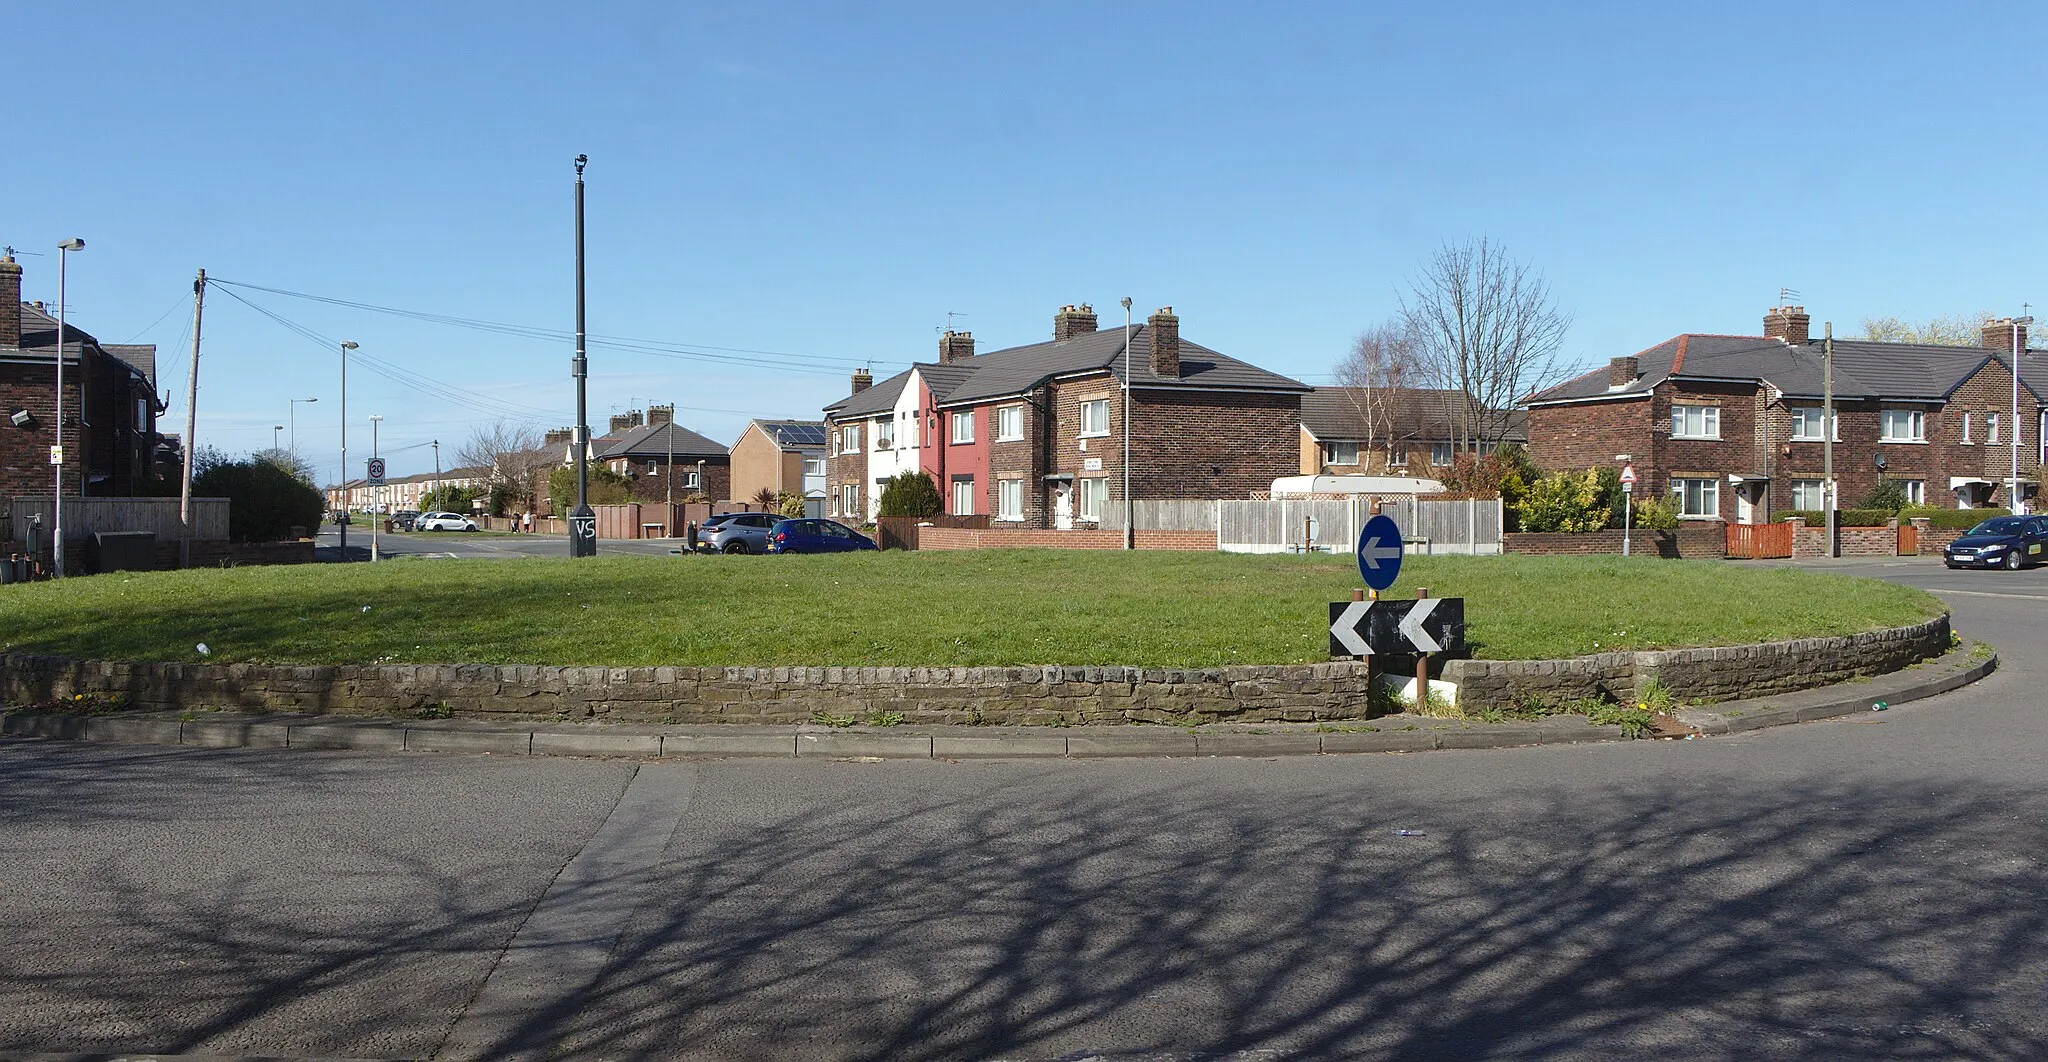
(1032,436)
(1730,427)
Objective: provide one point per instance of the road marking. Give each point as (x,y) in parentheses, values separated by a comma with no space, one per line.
(1987,593)
(566,942)
(1411,626)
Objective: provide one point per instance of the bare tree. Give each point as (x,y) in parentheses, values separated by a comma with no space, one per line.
(506,449)
(1377,377)
(1956,330)
(1484,326)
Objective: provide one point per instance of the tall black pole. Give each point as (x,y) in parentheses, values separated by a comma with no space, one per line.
(582,521)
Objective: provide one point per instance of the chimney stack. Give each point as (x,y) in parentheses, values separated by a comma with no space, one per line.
(661,414)
(1073,321)
(1621,372)
(1788,324)
(558,437)
(623,421)
(1997,335)
(10,301)
(955,346)
(862,380)
(1164,330)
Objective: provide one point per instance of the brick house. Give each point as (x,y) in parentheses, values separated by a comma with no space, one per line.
(1729,427)
(660,456)
(110,402)
(1416,430)
(782,457)
(1032,436)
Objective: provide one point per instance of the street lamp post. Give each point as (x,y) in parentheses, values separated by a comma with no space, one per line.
(291,420)
(2012,495)
(57,452)
(346,346)
(1130,507)
(376,514)
(582,521)
(274,429)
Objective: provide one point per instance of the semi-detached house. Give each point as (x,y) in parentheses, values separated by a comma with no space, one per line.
(1032,436)
(1730,427)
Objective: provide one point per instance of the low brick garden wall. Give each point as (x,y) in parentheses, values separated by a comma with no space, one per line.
(989,695)
(999,538)
(1689,542)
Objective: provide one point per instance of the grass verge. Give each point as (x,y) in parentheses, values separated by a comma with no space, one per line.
(908,609)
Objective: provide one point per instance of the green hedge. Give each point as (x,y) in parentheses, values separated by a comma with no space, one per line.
(1950,519)
(1843,517)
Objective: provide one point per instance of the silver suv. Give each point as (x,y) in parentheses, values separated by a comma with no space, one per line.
(736,533)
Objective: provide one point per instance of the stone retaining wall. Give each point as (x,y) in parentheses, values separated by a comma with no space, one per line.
(1699,675)
(970,695)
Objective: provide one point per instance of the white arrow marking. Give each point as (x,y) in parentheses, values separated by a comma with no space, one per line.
(1345,630)
(1373,553)
(1411,626)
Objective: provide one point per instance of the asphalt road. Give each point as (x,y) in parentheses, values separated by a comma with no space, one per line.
(463,545)
(1864,888)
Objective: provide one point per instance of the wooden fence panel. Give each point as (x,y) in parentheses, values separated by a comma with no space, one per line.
(159,516)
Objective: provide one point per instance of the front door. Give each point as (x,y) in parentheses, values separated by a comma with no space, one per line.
(1062,509)
(1749,502)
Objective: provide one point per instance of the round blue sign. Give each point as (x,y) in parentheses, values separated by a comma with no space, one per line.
(1379,551)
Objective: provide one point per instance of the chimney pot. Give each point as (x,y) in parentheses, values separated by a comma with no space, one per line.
(955,346)
(1163,331)
(1788,324)
(862,380)
(1997,335)
(1073,321)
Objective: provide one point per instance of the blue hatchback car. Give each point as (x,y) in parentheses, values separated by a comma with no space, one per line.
(816,536)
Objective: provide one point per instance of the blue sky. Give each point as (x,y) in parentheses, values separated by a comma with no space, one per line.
(816,186)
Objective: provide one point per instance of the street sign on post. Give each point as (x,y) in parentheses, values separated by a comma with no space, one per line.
(376,471)
(1380,628)
(1628,479)
(1379,552)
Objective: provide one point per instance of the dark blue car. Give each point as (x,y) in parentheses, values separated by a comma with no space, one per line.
(2001,542)
(816,536)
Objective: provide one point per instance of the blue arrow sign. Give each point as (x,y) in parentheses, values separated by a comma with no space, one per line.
(1379,551)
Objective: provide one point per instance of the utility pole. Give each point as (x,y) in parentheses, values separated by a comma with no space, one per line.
(1827,430)
(57,452)
(2012,495)
(346,346)
(437,472)
(376,493)
(1130,509)
(668,469)
(582,521)
(191,423)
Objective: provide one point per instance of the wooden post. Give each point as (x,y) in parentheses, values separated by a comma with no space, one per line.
(1421,665)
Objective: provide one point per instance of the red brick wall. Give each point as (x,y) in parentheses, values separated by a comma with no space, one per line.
(962,538)
(1856,542)
(1213,444)
(1569,438)
(1699,541)
(1022,459)
(847,468)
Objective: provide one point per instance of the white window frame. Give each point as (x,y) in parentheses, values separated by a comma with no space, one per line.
(653,467)
(1094,498)
(963,426)
(1966,440)
(1009,499)
(814,466)
(1916,491)
(885,433)
(1706,490)
(1991,427)
(1709,421)
(1100,409)
(690,479)
(963,497)
(1009,423)
(1916,421)
(1806,424)
(1335,452)
(1443,454)
(849,438)
(1809,494)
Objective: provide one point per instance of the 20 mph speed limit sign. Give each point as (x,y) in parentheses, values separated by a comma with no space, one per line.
(376,475)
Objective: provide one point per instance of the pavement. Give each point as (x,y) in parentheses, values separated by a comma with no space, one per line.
(1967,663)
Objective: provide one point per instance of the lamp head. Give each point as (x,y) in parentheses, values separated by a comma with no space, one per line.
(348,344)
(72,244)
(309,400)
(581,161)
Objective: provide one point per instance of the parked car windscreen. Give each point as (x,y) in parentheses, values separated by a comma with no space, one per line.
(1999,525)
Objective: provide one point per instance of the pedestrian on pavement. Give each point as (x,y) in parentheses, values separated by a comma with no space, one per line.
(529,521)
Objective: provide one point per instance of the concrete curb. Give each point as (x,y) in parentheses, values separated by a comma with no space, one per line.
(1957,668)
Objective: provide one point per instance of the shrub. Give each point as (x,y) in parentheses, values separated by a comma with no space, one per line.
(910,494)
(1656,514)
(1565,501)
(265,501)
(790,504)
(1843,517)
(1889,495)
(1507,471)
(1950,519)
(601,487)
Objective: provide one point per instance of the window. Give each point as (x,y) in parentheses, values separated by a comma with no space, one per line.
(1095,418)
(1440,453)
(814,466)
(849,499)
(1965,440)
(1695,422)
(1698,498)
(963,497)
(849,439)
(1806,424)
(690,479)
(1009,499)
(1094,497)
(1901,425)
(1916,491)
(1991,429)
(885,434)
(963,426)
(1809,494)
(1009,423)
(653,468)
(1340,453)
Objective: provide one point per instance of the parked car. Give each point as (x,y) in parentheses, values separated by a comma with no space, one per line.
(816,536)
(2011,542)
(444,522)
(404,519)
(736,532)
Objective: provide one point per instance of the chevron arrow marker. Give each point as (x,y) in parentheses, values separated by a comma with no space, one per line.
(1348,624)
(1411,626)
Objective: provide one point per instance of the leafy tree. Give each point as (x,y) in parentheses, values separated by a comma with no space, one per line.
(603,487)
(1565,501)
(1954,330)
(790,504)
(911,494)
(265,501)
(1889,495)
(450,498)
